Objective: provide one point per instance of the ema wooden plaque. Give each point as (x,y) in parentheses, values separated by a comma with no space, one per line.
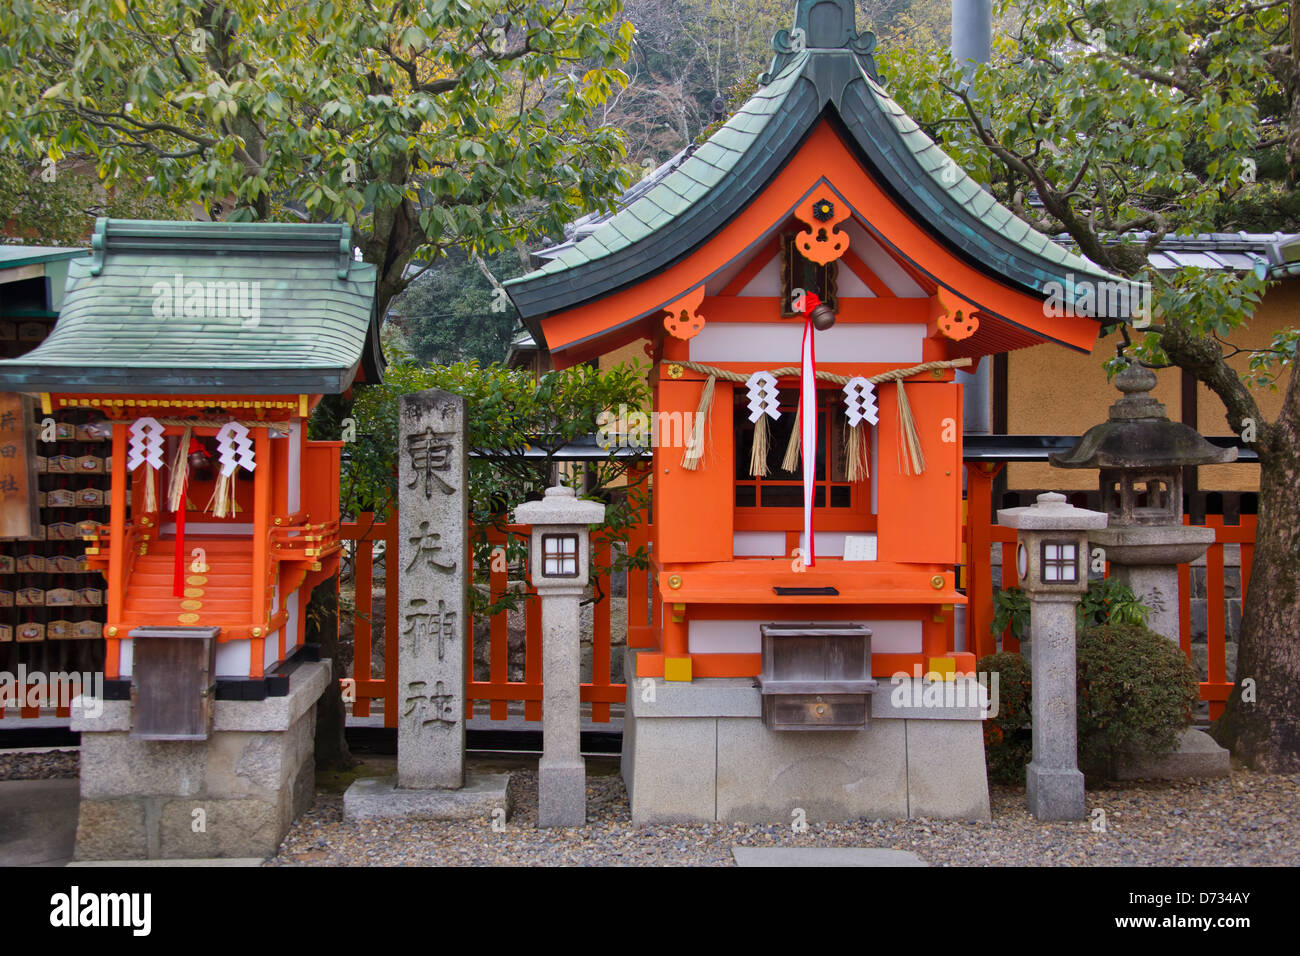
(19,512)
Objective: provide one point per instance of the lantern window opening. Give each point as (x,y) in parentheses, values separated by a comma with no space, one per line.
(560,555)
(1060,562)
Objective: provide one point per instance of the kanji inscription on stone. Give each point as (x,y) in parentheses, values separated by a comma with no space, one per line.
(430,453)
(432,587)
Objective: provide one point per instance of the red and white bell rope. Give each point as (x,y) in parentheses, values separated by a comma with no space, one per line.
(808,424)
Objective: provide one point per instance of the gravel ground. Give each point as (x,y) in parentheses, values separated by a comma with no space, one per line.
(43,765)
(1247,819)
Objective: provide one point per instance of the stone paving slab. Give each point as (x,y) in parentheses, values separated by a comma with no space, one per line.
(822,856)
(38,822)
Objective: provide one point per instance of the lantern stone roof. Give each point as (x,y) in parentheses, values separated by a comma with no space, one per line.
(166,307)
(829,73)
(1138,434)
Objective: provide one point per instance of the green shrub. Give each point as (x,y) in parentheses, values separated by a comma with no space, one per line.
(1107,601)
(1136,693)
(1007,742)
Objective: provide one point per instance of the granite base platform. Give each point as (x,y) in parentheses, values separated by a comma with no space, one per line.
(699,752)
(234,794)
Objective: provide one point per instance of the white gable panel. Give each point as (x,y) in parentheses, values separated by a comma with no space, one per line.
(882,263)
(779,342)
(768,281)
(849,286)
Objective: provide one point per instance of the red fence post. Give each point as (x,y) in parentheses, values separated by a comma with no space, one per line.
(363,600)
(600,630)
(392,626)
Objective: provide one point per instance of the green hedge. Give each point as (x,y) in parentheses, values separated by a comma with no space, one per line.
(1136,693)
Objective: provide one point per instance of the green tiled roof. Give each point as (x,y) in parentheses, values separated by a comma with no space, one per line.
(666,219)
(13,256)
(263,307)
(685,186)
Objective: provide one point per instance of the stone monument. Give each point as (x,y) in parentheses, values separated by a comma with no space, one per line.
(433,571)
(1052,568)
(1141,455)
(559,559)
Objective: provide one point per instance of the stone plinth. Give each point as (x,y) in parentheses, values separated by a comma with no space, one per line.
(1054,784)
(379,798)
(232,795)
(1198,755)
(698,753)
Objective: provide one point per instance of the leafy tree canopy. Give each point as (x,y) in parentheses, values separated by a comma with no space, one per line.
(454,313)
(426,125)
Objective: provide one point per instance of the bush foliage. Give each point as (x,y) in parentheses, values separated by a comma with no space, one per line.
(1136,693)
(1007,742)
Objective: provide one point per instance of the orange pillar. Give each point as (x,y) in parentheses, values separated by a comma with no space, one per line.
(262,478)
(116,550)
(979,542)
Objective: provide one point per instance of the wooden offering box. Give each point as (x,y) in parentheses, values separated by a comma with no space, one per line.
(174,680)
(816,676)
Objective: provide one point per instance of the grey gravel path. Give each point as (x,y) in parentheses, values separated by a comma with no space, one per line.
(1246,819)
(39,764)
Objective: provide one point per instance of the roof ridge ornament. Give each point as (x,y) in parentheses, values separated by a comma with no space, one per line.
(822,25)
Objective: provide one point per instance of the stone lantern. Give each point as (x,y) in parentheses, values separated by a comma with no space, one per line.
(1141,455)
(559,559)
(1052,568)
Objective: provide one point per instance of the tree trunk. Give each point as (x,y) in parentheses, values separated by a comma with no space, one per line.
(323,628)
(1265,732)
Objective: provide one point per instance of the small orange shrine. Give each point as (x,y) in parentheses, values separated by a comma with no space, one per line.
(199,350)
(203,348)
(819,257)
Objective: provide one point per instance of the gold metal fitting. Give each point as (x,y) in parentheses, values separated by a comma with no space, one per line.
(279,521)
(675,370)
(112,632)
(936,582)
(936,373)
(257,632)
(675,581)
(145,522)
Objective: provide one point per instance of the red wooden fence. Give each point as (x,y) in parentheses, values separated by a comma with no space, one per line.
(498,691)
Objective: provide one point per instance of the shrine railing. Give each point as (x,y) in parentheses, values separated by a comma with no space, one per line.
(981,534)
(492,697)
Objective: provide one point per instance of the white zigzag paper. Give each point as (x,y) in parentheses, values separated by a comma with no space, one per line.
(235,448)
(762,396)
(146,444)
(860,401)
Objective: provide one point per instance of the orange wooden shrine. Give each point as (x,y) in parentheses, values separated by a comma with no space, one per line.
(191,328)
(818,184)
